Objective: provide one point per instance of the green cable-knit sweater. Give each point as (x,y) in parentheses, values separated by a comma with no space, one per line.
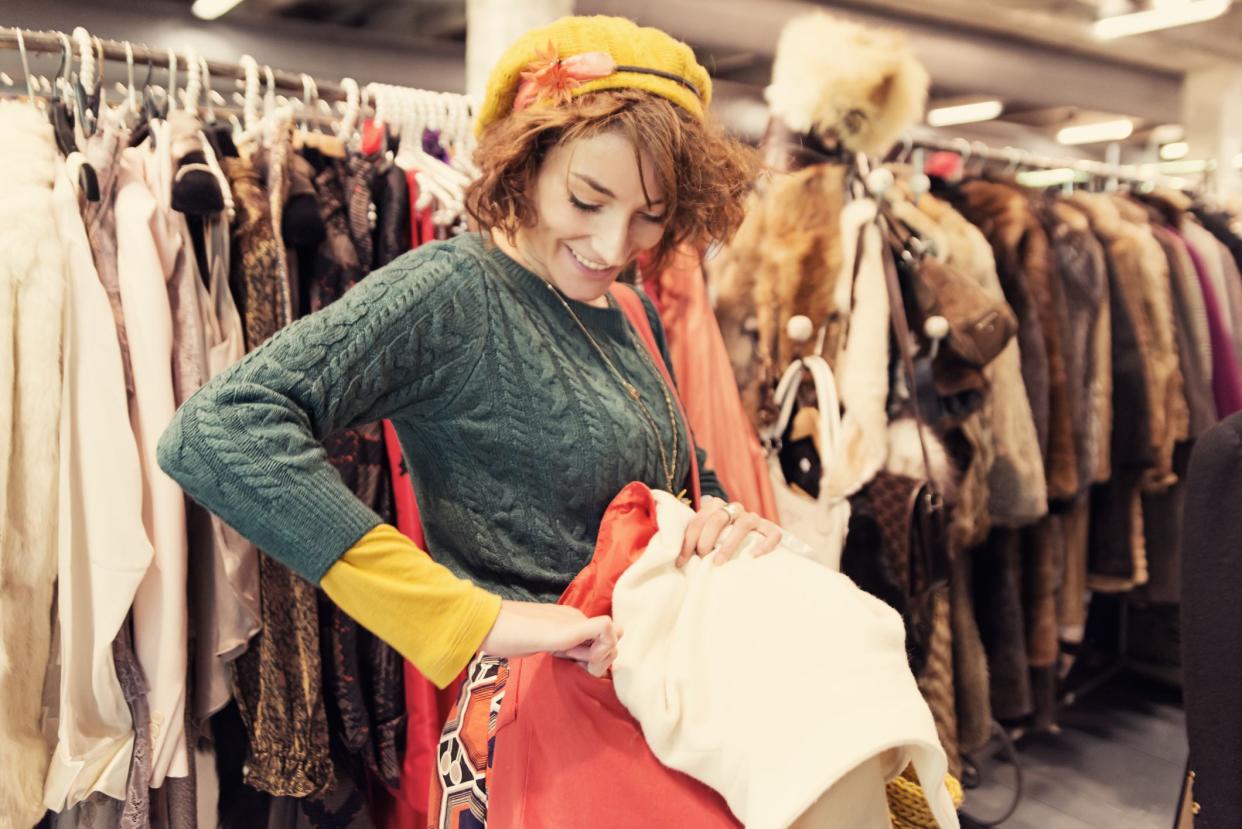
(517,433)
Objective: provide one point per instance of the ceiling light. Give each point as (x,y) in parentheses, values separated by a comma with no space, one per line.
(1185,167)
(1162,16)
(1168,133)
(1096,133)
(1174,151)
(948,116)
(211,9)
(1049,178)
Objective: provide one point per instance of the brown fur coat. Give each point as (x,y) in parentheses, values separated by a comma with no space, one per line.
(1017,491)
(1029,278)
(783,261)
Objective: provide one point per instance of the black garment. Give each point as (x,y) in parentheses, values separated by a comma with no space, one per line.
(363,677)
(1112,511)
(1212,623)
(1219,225)
(997,582)
(392,204)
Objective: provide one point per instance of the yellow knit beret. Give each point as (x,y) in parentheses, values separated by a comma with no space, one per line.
(629,45)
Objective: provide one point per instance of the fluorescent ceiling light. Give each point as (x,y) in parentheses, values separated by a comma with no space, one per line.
(1096,133)
(948,116)
(211,9)
(1174,151)
(1168,133)
(1162,16)
(1184,167)
(1049,178)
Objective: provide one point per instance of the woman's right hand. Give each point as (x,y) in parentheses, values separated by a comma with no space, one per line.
(525,628)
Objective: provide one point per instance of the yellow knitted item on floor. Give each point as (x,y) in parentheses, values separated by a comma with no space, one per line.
(625,41)
(907,806)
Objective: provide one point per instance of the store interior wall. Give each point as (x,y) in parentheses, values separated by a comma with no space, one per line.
(321,50)
(1028,75)
(956,59)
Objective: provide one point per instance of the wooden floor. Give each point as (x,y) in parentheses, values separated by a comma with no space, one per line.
(1117,764)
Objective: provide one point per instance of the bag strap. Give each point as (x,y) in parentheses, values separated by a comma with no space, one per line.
(901,328)
(829,411)
(843,315)
(631,304)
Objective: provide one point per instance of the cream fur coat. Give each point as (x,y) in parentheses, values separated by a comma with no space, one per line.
(32,296)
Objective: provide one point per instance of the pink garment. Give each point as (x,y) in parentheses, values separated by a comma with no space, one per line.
(707,384)
(1226,373)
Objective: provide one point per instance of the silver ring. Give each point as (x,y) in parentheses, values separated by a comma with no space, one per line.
(733,511)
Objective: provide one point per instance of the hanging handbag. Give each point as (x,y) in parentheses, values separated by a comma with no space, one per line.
(979,325)
(817,520)
(929,537)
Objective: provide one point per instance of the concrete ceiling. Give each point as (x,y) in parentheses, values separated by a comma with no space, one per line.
(1065,24)
(1036,55)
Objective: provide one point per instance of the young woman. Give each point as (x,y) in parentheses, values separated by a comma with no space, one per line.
(523,396)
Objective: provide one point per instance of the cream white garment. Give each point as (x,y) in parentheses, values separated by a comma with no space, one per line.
(711,655)
(103,547)
(32,289)
(160,615)
(862,366)
(226,586)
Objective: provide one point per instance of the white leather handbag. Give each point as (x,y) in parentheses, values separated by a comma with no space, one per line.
(819,523)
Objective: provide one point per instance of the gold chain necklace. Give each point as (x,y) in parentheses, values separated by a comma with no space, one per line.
(669,467)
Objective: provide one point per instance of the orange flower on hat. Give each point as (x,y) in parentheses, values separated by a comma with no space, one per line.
(551,79)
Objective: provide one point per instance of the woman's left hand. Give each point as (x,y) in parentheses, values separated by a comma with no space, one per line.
(708,525)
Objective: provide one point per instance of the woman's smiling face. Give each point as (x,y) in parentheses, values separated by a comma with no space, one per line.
(596,212)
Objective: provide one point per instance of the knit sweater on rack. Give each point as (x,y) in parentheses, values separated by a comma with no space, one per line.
(518,433)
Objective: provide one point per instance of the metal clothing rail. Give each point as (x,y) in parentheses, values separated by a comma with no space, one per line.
(140,56)
(1022,158)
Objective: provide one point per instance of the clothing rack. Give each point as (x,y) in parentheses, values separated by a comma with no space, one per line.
(140,56)
(1020,158)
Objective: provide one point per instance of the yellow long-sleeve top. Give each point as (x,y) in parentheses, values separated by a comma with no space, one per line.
(431,617)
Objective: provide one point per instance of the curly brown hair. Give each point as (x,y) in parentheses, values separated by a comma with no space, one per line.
(704,172)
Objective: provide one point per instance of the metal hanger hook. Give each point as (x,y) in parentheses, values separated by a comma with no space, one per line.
(65,69)
(21,46)
(129,75)
(172,80)
(206,72)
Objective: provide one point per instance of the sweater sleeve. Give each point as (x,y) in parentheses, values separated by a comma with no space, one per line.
(393,589)
(709,483)
(248,445)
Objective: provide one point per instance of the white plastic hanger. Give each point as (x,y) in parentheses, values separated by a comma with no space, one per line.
(349,116)
(252,126)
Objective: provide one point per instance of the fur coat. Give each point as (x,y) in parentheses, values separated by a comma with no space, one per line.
(1028,275)
(1194,346)
(1116,541)
(1158,302)
(1084,281)
(1016,486)
(32,296)
(783,261)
